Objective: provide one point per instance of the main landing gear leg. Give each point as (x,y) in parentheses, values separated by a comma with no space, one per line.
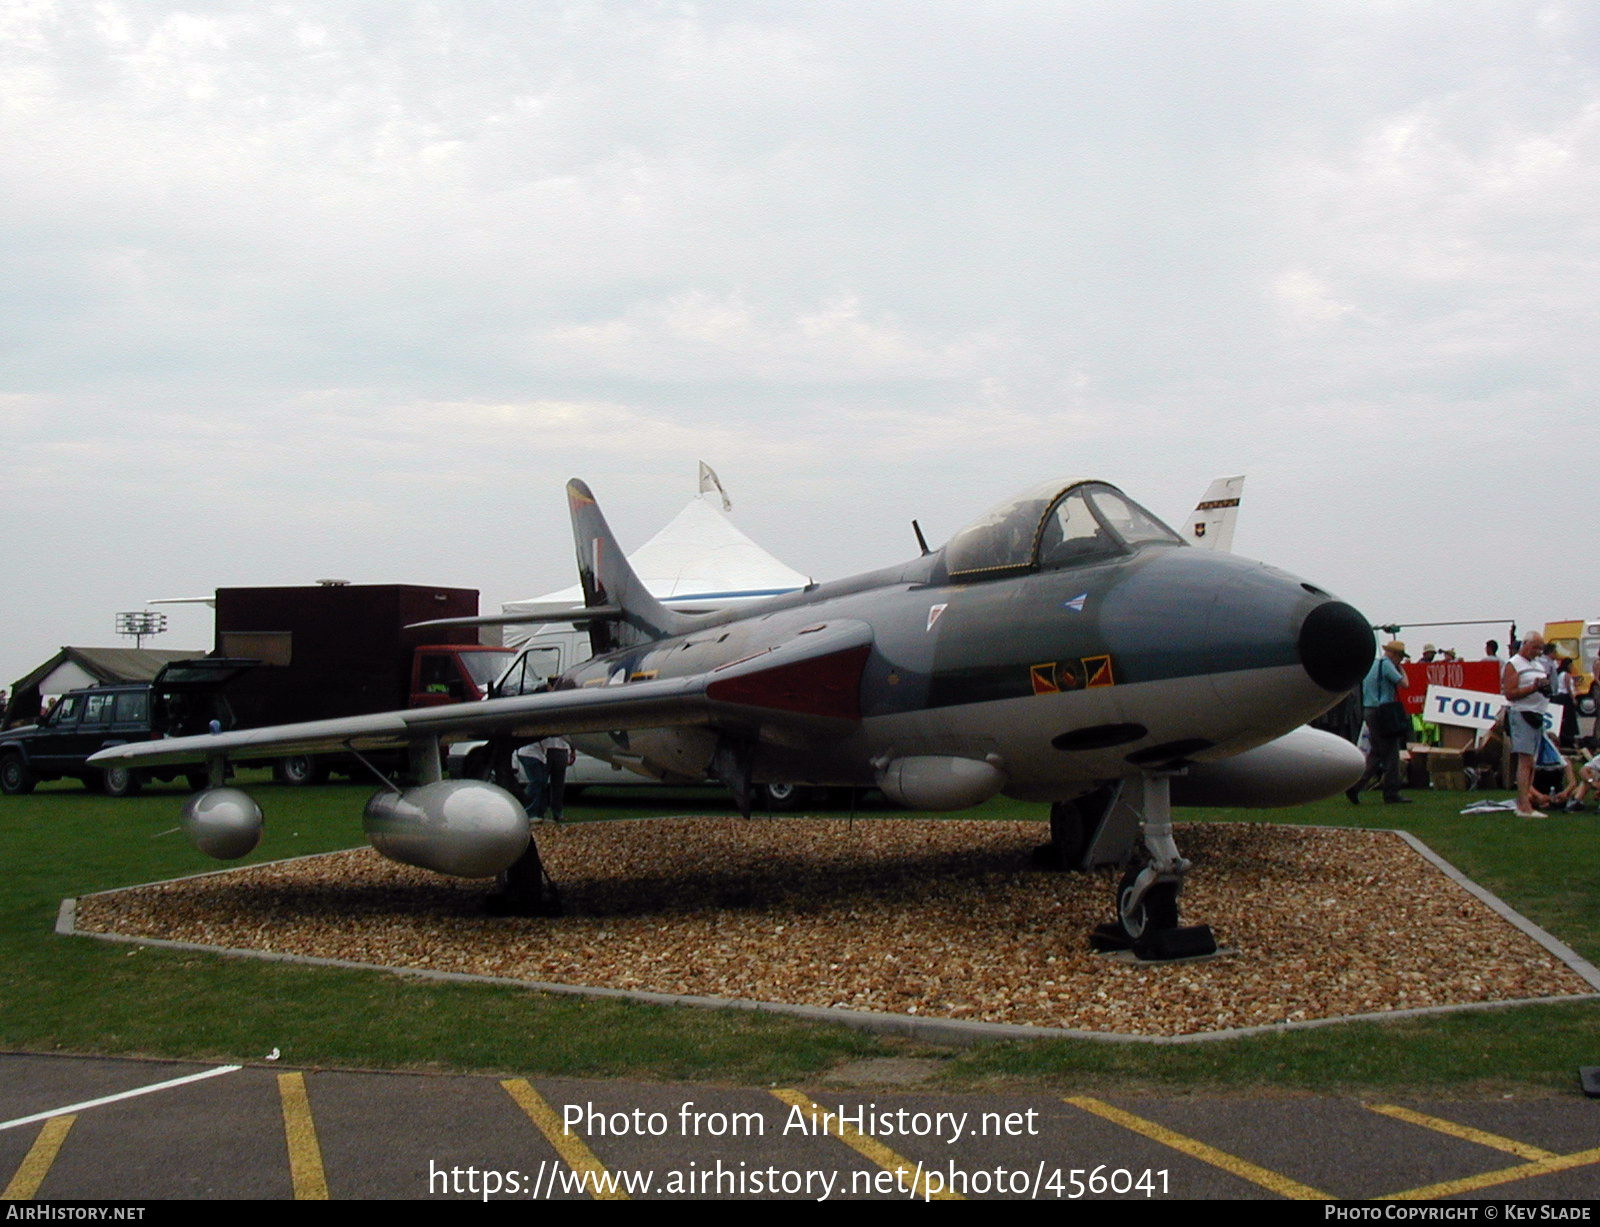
(1147,896)
(502,769)
(731,762)
(526,889)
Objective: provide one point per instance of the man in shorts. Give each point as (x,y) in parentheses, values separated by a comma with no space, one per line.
(1526,684)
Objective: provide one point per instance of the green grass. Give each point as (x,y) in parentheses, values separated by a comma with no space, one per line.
(77,995)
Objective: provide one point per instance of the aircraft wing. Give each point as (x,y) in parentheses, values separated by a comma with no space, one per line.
(578,615)
(810,682)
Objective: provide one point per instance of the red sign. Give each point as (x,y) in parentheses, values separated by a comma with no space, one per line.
(1481,675)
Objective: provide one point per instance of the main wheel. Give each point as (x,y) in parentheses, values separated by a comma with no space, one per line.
(120,782)
(16,777)
(1065,849)
(1157,910)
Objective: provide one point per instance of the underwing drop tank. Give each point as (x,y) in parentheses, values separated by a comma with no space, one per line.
(464,828)
(940,782)
(224,823)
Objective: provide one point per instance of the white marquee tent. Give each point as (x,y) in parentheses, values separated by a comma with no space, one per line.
(698,561)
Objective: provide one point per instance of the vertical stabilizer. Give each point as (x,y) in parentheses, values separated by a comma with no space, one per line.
(607,579)
(1211,524)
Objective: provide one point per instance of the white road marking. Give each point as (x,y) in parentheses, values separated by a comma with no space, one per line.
(95,1103)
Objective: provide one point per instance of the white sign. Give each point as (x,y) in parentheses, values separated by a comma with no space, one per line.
(1473,709)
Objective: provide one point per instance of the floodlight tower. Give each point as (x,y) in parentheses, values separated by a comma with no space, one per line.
(139,623)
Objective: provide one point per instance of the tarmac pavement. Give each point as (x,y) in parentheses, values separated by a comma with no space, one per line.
(90,1128)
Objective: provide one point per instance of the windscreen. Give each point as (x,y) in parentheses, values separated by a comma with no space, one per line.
(1058,524)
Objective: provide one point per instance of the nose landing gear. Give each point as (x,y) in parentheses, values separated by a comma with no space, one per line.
(1147,896)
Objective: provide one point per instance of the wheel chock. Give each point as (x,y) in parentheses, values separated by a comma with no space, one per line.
(1184,942)
(1156,945)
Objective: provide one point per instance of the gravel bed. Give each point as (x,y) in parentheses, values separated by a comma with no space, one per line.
(935,918)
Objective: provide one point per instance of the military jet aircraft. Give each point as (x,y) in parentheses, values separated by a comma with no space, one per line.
(1067,647)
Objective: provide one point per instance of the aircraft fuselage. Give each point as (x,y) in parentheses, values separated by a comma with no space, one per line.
(1060,680)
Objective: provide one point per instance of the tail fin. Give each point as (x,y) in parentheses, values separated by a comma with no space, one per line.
(1210,525)
(607,579)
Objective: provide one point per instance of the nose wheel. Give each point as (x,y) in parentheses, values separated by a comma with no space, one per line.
(1155,908)
(1147,894)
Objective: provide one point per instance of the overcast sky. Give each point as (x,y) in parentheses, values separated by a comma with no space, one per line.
(350,289)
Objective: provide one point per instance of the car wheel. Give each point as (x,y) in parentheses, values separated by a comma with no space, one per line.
(16,777)
(120,782)
(782,797)
(298,770)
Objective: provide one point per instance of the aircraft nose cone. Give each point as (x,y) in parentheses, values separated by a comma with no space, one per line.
(1336,646)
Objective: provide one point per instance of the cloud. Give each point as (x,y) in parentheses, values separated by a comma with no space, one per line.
(340,273)
(721,336)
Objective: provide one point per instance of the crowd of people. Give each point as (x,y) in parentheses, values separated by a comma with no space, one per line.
(1536,681)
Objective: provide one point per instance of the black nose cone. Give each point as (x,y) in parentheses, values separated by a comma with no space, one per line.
(1336,646)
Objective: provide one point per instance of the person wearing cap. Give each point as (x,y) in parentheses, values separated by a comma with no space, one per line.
(1381,688)
(1428,653)
(1525,682)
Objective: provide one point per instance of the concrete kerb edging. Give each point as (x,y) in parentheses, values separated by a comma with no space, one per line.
(933,1030)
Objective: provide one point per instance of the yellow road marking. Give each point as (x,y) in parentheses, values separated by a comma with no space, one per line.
(305,1156)
(1465,1132)
(1506,1175)
(869,1148)
(36,1164)
(1243,1168)
(569,1146)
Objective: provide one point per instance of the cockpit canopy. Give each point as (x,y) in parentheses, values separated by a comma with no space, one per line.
(1058,524)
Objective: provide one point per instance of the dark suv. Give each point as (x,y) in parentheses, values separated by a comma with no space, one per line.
(185,698)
